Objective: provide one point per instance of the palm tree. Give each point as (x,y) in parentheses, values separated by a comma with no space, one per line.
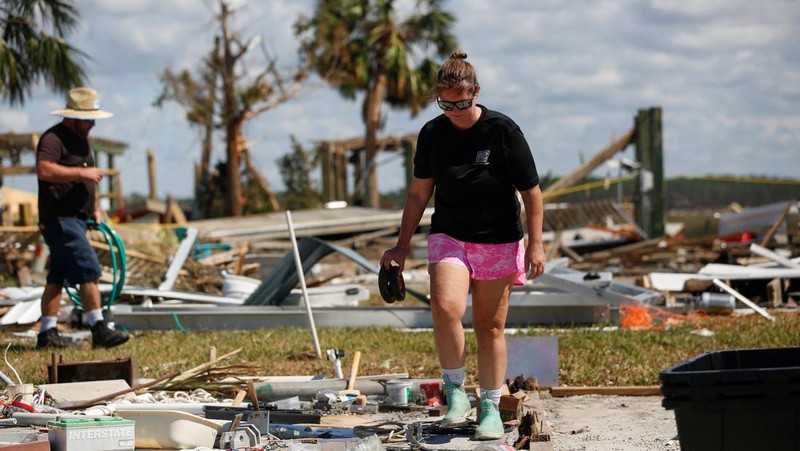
(33,49)
(359,46)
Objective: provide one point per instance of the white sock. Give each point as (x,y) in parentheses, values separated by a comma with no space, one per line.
(493,395)
(454,376)
(47,323)
(92,317)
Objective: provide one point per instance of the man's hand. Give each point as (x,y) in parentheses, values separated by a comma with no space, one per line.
(92,174)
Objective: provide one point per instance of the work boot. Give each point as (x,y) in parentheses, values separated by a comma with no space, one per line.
(458,406)
(490,426)
(50,338)
(105,336)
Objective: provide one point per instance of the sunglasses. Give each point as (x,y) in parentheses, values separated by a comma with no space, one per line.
(461,104)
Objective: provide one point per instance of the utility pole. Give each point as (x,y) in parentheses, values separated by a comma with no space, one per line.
(651,191)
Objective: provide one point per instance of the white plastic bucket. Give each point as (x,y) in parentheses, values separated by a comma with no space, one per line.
(24,393)
(239,287)
(399,391)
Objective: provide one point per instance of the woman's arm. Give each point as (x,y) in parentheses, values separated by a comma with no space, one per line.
(419,193)
(534,216)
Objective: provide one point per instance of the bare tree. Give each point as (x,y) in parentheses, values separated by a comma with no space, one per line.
(236,96)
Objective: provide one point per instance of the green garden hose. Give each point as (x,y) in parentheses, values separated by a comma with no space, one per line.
(119,263)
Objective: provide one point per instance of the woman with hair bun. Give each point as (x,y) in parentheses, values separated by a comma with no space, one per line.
(476,160)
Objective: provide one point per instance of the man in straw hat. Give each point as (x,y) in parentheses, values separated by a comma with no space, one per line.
(67,181)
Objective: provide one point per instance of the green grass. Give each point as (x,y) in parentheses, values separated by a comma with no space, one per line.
(587,356)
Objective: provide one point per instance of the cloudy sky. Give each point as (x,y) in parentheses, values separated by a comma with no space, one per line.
(571,73)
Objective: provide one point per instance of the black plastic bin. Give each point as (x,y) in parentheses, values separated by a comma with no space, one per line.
(736,400)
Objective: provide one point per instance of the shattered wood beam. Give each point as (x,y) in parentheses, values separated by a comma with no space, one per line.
(131,253)
(776,224)
(221,257)
(585,169)
(188,374)
(17,170)
(151,175)
(136,387)
(362,240)
(652,390)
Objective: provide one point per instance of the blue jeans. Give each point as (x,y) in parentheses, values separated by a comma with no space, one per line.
(72,259)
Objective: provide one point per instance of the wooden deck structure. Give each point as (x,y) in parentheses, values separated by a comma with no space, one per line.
(14,146)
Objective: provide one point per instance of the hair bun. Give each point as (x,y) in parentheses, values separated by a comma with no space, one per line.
(458,55)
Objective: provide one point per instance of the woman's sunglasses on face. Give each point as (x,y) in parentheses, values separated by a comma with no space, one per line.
(448,106)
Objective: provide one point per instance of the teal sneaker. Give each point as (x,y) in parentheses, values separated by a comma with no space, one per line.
(458,406)
(490,426)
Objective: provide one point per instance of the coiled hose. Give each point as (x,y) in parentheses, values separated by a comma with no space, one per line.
(119,263)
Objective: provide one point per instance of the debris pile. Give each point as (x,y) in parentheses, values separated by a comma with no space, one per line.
(185,409)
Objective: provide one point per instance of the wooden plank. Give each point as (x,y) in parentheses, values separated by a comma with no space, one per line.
(17,170)
(776,224)
(161,260)
(775,292)
(584,170)
(19,229)
(647,390)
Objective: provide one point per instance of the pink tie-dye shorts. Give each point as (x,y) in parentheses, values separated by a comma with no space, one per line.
(484,261)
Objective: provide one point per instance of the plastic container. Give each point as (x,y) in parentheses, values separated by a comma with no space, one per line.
(91,434)
(423,391)
(736,400)
(171,429)
(399,391)
(238,287)
(715,303)
(21,392)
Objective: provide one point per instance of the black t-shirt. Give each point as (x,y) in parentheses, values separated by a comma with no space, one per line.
(61,145)
(476,173)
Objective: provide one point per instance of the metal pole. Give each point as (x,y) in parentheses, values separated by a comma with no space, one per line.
(302,277)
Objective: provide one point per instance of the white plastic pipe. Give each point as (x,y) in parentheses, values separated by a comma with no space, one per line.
(744,300)
(302,277)
(764,252)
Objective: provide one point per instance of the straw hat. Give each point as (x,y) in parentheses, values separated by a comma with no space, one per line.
(82,103)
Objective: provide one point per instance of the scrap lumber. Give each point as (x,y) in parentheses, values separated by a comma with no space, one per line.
(131,253)
(585,169)
(137,387)
(775,292)
(238,269)
(776,225)
(251,390)
(188,374)
(647,390)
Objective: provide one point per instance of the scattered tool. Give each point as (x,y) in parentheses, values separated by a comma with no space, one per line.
(351,390)
(334,355)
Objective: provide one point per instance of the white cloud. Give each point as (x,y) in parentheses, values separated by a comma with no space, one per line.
(14,121)
(730,36)
(570,73)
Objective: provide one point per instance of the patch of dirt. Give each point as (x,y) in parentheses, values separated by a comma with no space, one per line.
(605,423)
